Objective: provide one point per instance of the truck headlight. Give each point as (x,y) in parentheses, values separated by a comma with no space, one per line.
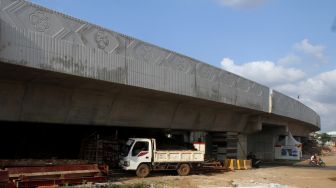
(126,163)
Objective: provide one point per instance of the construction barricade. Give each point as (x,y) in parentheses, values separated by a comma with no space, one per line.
(237,164)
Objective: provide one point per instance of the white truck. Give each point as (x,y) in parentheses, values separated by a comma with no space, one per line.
(142,156)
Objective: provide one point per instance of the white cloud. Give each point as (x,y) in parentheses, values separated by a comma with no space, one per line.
(265,72)
(316,51)
(290,59)
(241,3)
(317,92)
(318,88)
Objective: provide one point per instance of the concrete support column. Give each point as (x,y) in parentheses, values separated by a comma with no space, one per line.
(242,146)
(197,136)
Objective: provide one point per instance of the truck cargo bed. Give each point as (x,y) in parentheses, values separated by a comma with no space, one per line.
(163,156)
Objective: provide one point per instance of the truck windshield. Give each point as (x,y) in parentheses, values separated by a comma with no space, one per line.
(126,148)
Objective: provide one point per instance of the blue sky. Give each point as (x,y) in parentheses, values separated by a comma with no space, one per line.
(287,45)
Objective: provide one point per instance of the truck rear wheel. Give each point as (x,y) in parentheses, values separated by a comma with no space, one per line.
(142,171)
(183,170)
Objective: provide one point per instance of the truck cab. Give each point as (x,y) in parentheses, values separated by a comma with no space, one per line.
(135,152)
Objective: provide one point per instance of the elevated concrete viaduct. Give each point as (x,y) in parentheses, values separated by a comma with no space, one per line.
(61,70)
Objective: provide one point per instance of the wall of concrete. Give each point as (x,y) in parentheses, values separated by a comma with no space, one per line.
(35,37)
(262,143)
(289,107)
(242,151)
(40,96)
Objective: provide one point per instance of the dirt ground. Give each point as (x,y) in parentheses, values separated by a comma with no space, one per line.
(298,175)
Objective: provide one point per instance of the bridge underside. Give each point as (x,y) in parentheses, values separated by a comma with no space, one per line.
(41,96)
(31,95)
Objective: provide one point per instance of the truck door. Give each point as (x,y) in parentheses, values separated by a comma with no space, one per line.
(141,153)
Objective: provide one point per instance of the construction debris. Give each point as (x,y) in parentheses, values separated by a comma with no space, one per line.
(70,174)
(4,179)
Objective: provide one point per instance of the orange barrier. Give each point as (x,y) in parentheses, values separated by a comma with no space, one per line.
(230,164)
(240,164)
(247,164)
(237,164)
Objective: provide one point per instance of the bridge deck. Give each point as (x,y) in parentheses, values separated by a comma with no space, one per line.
(35,37)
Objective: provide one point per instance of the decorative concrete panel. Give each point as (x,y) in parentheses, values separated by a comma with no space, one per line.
(58,42)
(36,37)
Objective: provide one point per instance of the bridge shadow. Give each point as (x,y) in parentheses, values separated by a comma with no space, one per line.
(129,175)
(298,165)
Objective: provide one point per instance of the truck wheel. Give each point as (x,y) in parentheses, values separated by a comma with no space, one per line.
(183,170)
(143,171)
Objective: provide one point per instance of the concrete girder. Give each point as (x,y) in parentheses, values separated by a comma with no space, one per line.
(184,93)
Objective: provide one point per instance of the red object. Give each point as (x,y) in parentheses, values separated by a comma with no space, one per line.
(142,153)
(57,175)
(4,180)
(4,176)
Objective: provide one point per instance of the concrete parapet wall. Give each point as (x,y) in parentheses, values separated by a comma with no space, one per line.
(289,107)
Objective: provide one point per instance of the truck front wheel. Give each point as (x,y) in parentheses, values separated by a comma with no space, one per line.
(183,170)
(143,171)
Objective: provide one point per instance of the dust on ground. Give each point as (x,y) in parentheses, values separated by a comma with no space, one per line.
(299,175)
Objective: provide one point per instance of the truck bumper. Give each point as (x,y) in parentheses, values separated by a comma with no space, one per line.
(123,166)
